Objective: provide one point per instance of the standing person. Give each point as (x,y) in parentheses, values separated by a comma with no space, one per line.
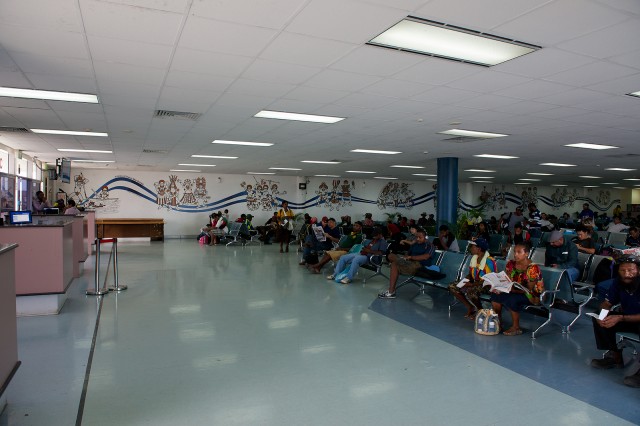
(586,212)
(617,211)
(625,291)
(481,263)
(422,222)
(285,220)
(40,202)
(523,271)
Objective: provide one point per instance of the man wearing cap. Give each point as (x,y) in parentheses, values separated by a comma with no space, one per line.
(624,291)
(563,254)
(481,263)
(376,247)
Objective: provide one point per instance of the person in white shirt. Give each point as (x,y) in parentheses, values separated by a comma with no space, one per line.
(617,225)
(39,203)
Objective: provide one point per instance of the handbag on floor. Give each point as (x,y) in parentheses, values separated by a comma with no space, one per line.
(487,322)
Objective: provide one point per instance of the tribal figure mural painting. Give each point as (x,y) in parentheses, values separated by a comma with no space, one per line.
(263,194)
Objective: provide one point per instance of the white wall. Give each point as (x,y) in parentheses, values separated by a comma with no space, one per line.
(136,194)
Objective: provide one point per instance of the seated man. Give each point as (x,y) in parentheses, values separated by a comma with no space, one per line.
(420,255)
(377,247)
(617,225)
(625,291)
(269,229)
(312,244)
(583,240)
(344,246)
(633,239)
(446,240)
(39,203)
(563,254)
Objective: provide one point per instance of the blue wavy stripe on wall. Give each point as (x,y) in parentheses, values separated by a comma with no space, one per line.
(133,191)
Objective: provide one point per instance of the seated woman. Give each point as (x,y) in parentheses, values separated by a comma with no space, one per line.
(482,231)
(481,263)
(523,271)
(218,228)
(519,236)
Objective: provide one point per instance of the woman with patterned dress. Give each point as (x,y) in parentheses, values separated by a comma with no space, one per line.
(523,271)
(481,263)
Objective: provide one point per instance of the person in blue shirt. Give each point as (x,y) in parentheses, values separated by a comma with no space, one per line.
(420,255)
(586,212)
(624,291)
(376,247)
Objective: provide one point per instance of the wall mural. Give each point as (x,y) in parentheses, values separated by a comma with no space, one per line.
(192,196)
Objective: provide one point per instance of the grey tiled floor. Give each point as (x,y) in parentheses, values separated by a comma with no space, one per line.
(243,336)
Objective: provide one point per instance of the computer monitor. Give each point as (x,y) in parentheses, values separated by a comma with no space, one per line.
(20,217)
(51,210)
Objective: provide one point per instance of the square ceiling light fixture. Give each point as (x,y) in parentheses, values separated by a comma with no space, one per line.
(293,116)
(48,95)
(425,37)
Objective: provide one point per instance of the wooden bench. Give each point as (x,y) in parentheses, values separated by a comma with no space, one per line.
(130,228)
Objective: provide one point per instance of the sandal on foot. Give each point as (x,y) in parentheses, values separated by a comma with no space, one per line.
(471,316)
(515,332)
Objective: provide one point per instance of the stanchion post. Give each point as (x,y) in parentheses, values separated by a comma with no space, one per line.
(116,286)
(97,291)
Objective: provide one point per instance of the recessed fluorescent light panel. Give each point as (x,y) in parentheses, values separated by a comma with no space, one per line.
(482,181)
(631,179)
(374,151)
(531,180)
(619,187)
(522,183)
(472,134)
(358,171)
(591,186)
(618,169)
(96,151)
(480,170)
(283,168)
(590,146)
(610,183)
(407,167)
(260,173)
(292,116)
(47,95)
(68,132)
(590,177)
(320,162)
(540,174)
(557,164)
(481,177)
(637,95)
(559,184)
(423,174)
(213,156)
(183,170)
(93,161)
(502,157)
(242,143)
(327,175)
(196,165)
(383,177)
(435,39)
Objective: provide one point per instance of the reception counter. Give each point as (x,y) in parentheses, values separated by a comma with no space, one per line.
(8,333)
(44,263)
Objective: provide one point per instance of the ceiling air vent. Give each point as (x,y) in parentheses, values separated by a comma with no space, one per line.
(14,129)
(180,115)
(154,151)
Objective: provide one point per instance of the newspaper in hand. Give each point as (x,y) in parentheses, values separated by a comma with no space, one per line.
(319,233)
(501,282)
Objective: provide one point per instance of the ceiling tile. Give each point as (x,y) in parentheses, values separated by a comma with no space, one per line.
(189,80)
(591,74)
(437,71)
(175,99)
(224,37)
(533,90)
(279,72)
(15,79)
(130,52)
(445,95)
(62,15)
(350,21)
(248,87)
(573,97)
(312,94)
(109,71)
(339,80)
(378,61)
(396,88)
(543,62)
(619,86)
(38,64)
(615,40)
(177,6)
(560,23)
(198,61)
(310,51)
(365,101)
(41,41)
(63,83)
(130,23)
(263,13)
(630,59)
(488,81)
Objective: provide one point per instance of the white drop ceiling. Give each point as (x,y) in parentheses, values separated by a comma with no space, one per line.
(229,59)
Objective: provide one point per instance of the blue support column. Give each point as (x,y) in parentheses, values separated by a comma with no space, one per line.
(447,192)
